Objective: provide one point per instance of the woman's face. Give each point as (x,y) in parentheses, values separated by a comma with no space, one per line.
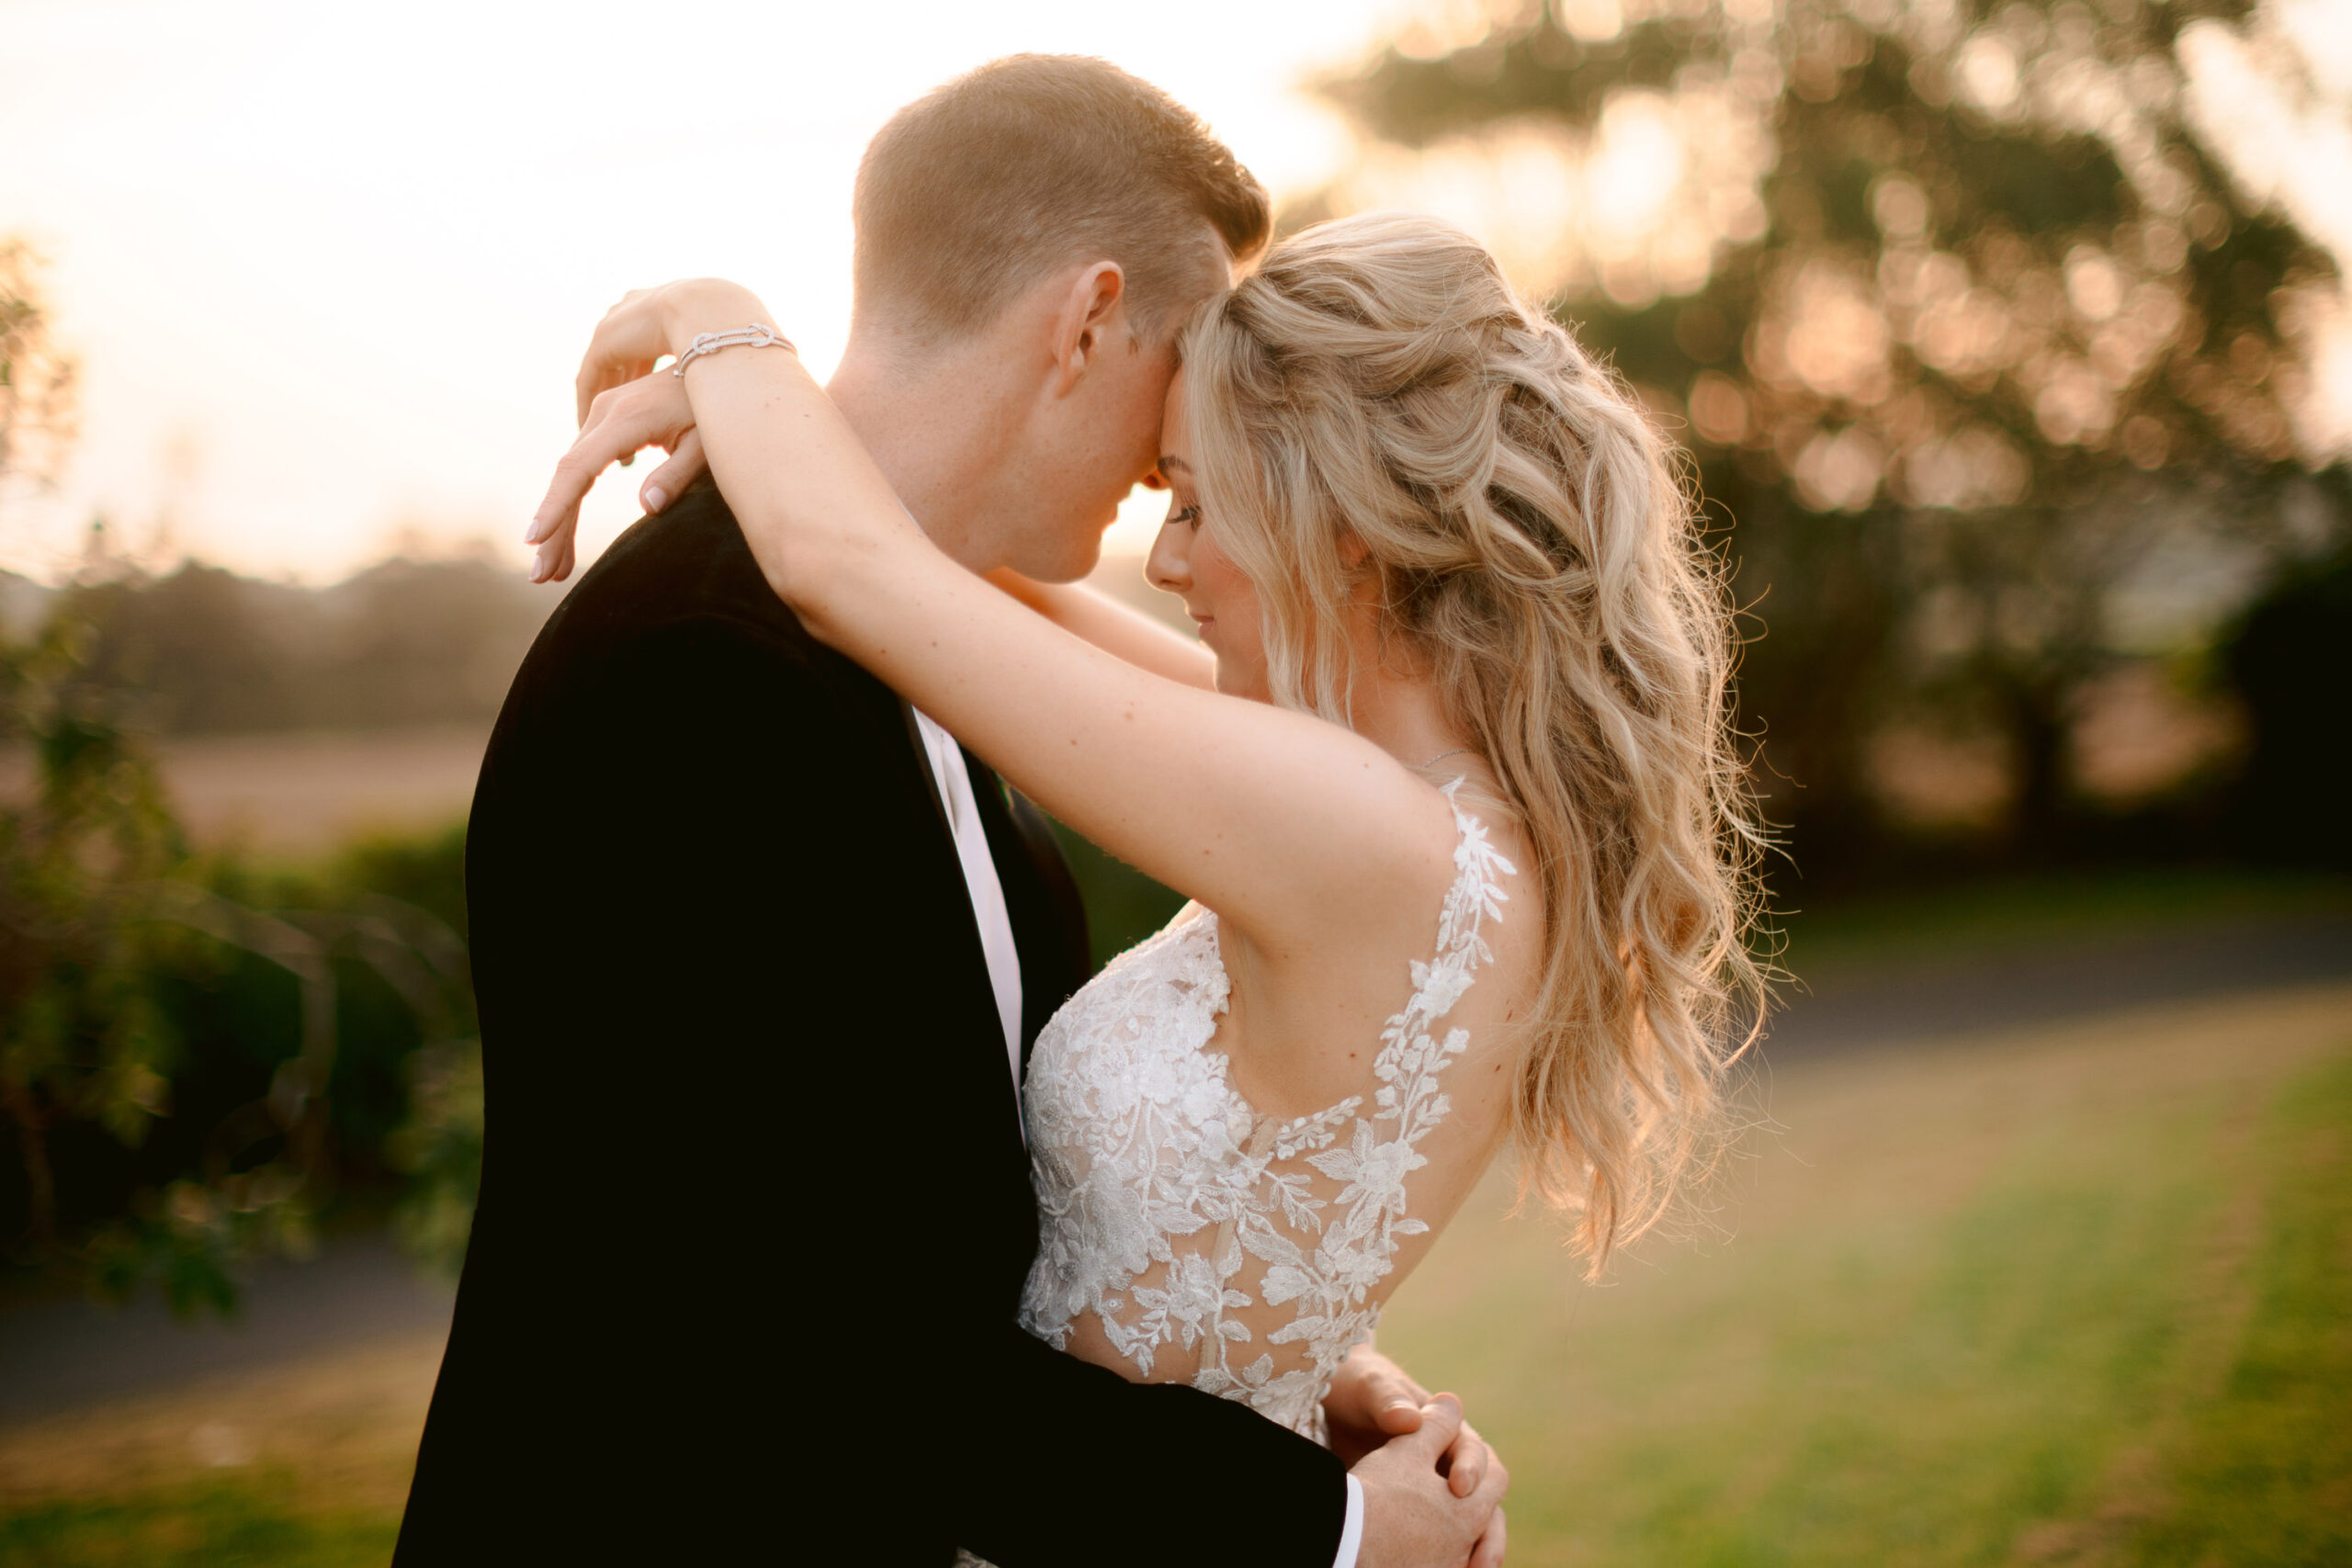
(1185,561)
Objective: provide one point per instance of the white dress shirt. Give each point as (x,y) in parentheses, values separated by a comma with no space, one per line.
(980,885)
(986,893)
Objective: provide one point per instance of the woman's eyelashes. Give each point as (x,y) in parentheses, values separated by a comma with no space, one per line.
(1191,514)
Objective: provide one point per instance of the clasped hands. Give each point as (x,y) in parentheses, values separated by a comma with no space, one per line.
(1430,1482)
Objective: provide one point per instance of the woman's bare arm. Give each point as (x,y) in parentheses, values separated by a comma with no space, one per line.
(1285,825)
(1087,612)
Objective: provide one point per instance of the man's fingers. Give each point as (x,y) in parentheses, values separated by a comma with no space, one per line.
(669,481)
(1467,1461)
(1488,1553)
(1494,1483)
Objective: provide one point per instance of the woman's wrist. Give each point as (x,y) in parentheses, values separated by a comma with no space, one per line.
(707,305)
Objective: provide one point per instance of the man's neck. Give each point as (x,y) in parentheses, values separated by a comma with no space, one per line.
(927,421)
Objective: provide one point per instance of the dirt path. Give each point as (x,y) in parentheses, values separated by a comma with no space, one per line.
(1915,1003)
(64,1353)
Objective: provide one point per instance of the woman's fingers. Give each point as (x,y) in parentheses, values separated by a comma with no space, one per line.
(669,481)
(624,347)
(553,563)
(651,410)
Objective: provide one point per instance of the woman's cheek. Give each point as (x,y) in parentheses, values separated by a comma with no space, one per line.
(1241,653)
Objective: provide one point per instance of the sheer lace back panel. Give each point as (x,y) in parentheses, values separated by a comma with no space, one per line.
(1246,1254)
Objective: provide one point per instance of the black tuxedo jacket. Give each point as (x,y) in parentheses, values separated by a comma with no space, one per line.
(755,1210)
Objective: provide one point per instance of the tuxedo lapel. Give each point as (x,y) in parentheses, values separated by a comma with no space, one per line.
(1040,895)
(922,762)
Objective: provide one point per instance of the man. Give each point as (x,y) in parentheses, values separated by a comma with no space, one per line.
(760,952)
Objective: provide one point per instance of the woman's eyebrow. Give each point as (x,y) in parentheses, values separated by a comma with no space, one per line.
(1169,460)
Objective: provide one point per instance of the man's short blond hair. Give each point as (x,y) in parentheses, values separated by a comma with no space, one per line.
(977,191)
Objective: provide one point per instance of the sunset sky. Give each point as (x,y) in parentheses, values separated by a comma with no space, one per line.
(329,270)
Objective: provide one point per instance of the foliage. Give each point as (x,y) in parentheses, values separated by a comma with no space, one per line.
(84,1037)
(193,1053)
(439,1146)
(1123,905)
(1966,323)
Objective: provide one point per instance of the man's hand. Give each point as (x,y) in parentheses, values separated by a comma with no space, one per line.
(1413,1517)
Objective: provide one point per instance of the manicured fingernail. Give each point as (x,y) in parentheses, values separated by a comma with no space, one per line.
(531,532)
(655,498)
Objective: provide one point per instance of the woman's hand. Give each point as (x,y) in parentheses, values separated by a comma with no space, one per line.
(650,324)
(619,422)
(622,401)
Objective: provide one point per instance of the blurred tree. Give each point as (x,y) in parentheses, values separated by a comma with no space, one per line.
(36,378)
(1965,319)
(403,642)
(82,1034)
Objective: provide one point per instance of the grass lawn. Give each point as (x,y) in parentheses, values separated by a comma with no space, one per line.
(198,1525)
(2077,1296)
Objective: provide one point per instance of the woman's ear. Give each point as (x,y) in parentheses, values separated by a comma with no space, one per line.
(1352,551)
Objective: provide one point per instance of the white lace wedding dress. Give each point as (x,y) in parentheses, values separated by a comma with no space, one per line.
(1243,1254)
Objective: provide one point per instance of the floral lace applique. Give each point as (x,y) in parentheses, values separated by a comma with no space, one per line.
(1239,1253)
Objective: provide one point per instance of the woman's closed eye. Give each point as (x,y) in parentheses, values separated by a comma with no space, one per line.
(1191,514)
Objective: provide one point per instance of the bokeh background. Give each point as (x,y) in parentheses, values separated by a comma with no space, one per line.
(2010,346)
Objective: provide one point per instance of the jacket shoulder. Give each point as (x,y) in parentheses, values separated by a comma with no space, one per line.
(690,563)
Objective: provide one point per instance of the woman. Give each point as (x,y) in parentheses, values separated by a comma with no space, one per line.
(1452,790)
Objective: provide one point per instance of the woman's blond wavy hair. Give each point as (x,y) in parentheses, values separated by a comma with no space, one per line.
(1379,381)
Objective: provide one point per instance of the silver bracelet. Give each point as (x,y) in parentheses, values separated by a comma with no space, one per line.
(752,336)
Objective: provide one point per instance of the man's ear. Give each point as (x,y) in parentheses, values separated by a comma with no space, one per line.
(1092,317)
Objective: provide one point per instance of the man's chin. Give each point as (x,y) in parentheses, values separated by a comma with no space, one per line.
(1074,559)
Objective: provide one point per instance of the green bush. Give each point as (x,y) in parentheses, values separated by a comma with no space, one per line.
(197,1055)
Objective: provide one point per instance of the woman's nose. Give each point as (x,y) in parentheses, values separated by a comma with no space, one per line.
(1169,567)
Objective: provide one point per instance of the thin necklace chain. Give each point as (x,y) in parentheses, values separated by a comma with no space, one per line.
(1441,756)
